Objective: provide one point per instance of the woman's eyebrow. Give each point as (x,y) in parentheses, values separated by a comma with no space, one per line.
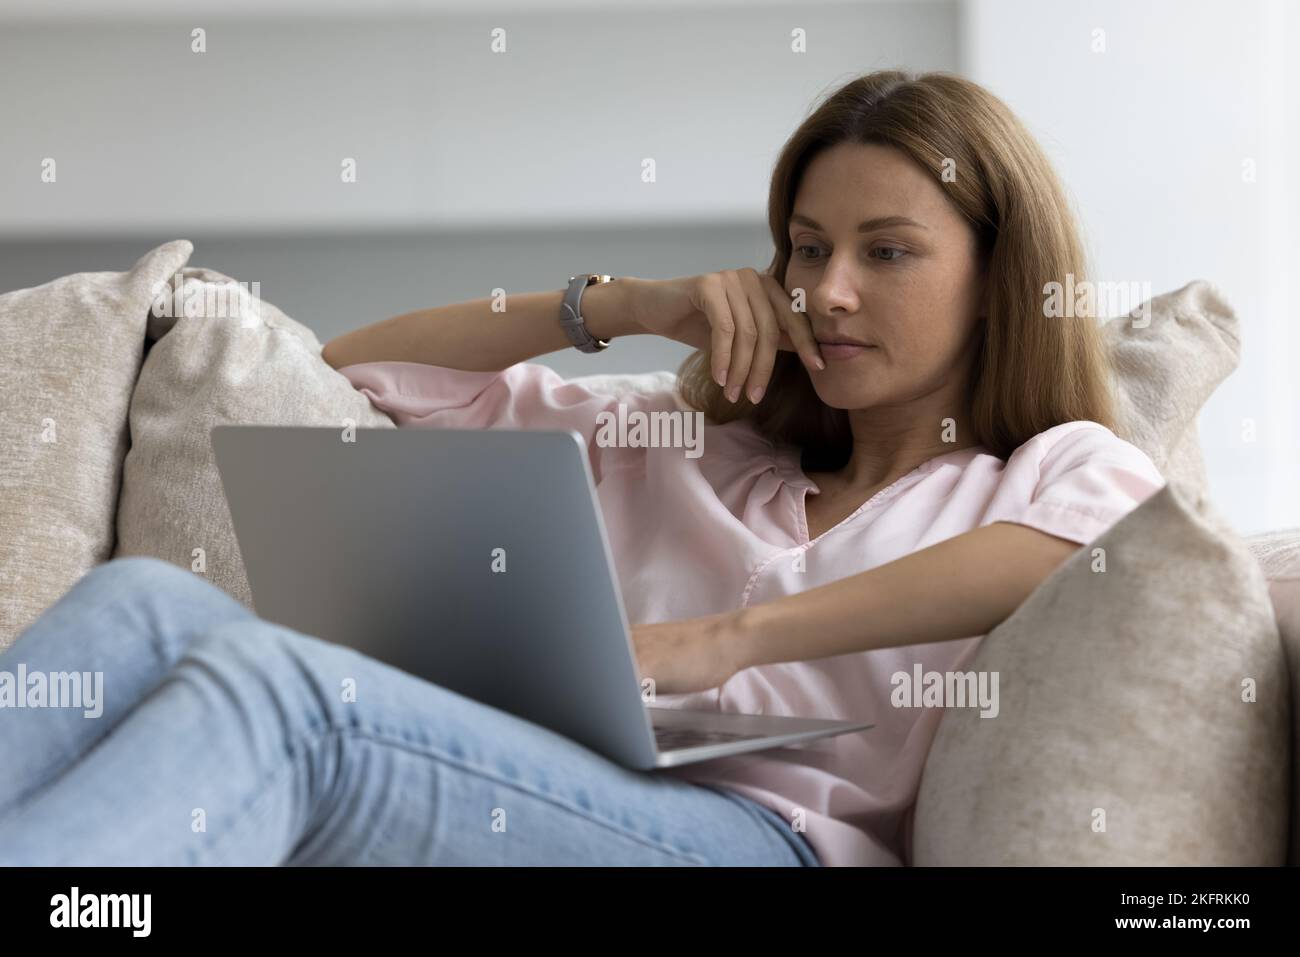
(866,226)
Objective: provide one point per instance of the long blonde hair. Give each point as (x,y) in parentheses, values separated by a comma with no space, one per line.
(1030,372)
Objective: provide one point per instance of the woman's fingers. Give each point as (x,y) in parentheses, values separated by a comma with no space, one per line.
(768,330)
(796,331)
(745,338)
(750,319)
(721,327)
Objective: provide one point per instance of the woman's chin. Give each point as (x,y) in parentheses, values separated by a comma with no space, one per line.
(845,394)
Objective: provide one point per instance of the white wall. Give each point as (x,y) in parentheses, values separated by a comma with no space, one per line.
(476,170)
(1151,136)
(249,136)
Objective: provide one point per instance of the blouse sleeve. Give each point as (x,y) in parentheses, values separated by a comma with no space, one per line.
(522,396)
(1074,481)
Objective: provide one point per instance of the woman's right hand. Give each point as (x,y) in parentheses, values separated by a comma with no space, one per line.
(744,315)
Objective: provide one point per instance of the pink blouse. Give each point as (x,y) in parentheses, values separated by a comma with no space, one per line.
(697,534)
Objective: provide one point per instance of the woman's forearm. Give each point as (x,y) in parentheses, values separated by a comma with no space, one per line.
(959,588)
(471,336)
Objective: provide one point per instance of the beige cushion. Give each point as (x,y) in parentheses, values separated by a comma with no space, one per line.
(1166,368)
(1278,554)
(624,383)
(69,354)
(1121,692)
(241,361)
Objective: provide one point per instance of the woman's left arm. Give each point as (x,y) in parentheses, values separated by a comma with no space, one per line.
(959,588)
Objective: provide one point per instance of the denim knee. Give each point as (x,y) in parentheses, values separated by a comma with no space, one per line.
(264,670)
(134,571)
(142,605)
(153,578)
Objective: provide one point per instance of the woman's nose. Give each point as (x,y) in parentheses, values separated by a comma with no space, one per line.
(837,292)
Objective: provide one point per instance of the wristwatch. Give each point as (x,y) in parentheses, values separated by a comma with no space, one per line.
(575,327)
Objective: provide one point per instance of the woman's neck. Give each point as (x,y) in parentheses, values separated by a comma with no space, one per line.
(888,443)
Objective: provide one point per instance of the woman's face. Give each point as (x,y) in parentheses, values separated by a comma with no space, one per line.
(906,281)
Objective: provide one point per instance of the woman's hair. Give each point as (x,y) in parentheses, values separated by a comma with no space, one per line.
(1030,372)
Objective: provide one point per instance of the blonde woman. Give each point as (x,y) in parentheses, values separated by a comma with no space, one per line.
(900,447)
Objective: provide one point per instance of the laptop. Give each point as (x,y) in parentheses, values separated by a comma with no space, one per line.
(476,559)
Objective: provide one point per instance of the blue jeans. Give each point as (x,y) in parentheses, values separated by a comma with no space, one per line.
(225,739)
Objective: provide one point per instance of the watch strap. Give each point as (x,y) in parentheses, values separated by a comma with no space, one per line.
(575,327)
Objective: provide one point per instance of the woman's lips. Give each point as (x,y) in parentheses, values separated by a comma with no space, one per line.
(842,350)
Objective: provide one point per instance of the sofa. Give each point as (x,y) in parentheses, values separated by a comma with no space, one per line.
(1150,687)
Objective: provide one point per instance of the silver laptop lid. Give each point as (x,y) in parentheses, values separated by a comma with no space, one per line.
(446,552)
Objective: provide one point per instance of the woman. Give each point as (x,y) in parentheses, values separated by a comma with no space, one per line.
(900,448)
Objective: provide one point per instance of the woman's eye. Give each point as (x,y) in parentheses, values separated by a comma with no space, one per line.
(883,253)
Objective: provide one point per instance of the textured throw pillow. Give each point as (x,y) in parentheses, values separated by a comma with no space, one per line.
(644,383)
(70,352)
(1143,712)
(221,356)
(1169,356)
(1278,554)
